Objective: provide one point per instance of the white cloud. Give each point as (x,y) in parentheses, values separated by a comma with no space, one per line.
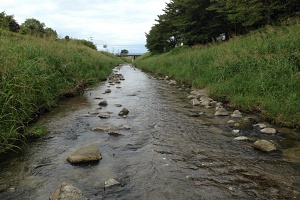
(119,24)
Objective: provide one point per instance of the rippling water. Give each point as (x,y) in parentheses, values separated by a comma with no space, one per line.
(167,154)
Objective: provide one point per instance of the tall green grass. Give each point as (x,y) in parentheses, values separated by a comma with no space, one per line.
(255,72)
(35,73)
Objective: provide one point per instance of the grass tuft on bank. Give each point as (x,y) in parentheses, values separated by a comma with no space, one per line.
(35,73)
(259,71)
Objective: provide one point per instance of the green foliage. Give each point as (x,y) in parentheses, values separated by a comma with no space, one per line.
(35,73)
(35,26)
(259,71)
(124,51)
(193,22)
(8,22)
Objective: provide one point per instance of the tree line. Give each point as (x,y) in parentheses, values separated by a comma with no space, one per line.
(36,28)
(192,22)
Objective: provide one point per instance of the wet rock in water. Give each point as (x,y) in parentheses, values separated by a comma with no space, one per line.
(104,116)
(206,98)
(221,112)
(123,112)
(111,182)
(172,82)
(205,103)
(243,124)
(113,131)
(67,192)
(195,102)
(101,128)
(103,103)
(117,81)
(213,103)
(261,125)
(268,130)
(264,145)
(237,114)
(119,87)
(241,138)
(108,91)
(118,105)
(85,154)
(236,131)
(93,112)
(191,97)
(124,127)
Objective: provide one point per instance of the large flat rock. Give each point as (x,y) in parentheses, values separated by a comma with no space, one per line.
(85,154)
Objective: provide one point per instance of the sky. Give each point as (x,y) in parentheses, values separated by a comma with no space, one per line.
(119,24)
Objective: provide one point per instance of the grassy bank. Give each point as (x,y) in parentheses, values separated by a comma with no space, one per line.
(35,73)
(256,72)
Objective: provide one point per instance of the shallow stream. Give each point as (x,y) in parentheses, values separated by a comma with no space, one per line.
(167,153)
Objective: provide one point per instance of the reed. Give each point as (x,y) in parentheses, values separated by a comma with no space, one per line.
(255,72)
(35,73)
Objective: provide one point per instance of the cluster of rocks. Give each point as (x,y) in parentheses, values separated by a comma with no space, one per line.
(91,154)
(238,122)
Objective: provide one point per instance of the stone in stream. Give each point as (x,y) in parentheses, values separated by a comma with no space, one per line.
(93,112)
(236,131)
(205,98)
(101,128)
(123,112)
(241,138)
(268,130)
(111,182)
(205,103)
(103,103)
(172,82)
(236,114)
(264,145)
(118,105)
(261,125)
(195,102)
(243,124)
(108,91)
(221,112)
(67,192)
(85,154)
(191,97)
(124,127)
(104,116)
(113,131)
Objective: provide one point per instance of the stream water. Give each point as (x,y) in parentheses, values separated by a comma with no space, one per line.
(166,153)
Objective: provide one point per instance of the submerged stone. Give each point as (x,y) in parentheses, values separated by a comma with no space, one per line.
(111,182)
(67,192)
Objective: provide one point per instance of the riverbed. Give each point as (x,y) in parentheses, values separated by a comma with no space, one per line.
(162,151)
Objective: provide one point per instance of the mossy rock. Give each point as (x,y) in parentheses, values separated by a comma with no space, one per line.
(243,124)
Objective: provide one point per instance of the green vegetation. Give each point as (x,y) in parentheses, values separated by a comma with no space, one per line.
(35,73)
(259,71)
(193,22)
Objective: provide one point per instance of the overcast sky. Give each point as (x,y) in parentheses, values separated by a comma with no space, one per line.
(120,24)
